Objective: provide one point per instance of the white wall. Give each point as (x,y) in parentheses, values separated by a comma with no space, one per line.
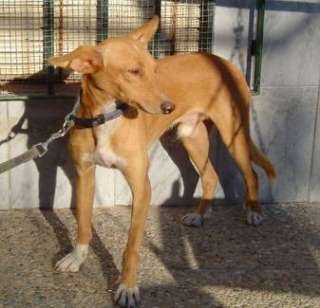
(284,123)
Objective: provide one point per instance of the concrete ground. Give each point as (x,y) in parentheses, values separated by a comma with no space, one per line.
(224,264)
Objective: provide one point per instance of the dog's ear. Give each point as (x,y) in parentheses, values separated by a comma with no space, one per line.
(84,59)
(145,33)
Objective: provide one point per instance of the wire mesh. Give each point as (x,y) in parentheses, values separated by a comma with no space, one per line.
(33,30)
(21,38)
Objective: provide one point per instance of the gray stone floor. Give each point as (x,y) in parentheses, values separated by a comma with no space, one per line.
(224,264)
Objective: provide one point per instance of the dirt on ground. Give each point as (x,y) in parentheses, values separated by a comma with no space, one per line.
(226,263)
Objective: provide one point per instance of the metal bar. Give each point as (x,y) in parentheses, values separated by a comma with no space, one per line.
(250,48)
(102,26)
(48,41)
(173,28)
(207,26)
(258,48)
(210,39)
(60,37)
(156,40)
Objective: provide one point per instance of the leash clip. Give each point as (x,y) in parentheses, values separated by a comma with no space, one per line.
(68,123)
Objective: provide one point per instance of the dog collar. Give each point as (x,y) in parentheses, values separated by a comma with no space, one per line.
(99,119)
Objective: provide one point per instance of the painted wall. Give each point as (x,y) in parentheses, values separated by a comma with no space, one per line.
(284,124)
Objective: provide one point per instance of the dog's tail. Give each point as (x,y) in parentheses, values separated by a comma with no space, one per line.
(260,159)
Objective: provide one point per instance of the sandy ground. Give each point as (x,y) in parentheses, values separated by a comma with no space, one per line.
(223,264)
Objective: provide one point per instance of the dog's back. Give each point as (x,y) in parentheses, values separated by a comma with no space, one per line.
(199,83)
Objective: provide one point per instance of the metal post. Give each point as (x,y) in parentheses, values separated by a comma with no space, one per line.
(207,26)
(156,40)
(48,41)
(210,39)
(102,21)
(258,46)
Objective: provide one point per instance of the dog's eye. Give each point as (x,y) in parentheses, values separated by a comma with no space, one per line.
(135,71)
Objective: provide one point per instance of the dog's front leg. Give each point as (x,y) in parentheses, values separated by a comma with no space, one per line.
(136,174)
(85,182)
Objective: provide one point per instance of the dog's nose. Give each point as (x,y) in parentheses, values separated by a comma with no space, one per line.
(167,107)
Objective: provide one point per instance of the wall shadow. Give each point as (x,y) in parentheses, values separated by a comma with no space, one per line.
(40,119)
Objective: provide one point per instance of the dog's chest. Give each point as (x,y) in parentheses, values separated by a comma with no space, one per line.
(104,154)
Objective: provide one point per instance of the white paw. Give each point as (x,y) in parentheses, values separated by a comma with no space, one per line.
(72,261)
(127,297)
(192,220)
(254,218)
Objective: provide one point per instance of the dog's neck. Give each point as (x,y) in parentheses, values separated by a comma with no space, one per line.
(94,99)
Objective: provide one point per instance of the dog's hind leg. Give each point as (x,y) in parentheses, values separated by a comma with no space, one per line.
(85,182)
(241,153)
(197,145)
(234,133)
(136,173)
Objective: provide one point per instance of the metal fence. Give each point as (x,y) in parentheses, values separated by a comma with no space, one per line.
(33,30)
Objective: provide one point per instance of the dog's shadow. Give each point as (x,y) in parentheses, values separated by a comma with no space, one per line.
(226,253)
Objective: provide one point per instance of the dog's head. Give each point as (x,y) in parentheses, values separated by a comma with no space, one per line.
(123,68)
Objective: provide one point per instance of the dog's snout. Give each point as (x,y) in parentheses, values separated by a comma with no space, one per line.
(167,107)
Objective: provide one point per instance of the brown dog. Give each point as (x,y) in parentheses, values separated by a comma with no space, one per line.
(181,90)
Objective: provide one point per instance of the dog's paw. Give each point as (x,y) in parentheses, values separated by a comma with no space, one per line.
(254,218)
(192,220)
(72,261)
(127,297)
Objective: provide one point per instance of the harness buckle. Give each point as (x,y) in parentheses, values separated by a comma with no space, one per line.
(100,119)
